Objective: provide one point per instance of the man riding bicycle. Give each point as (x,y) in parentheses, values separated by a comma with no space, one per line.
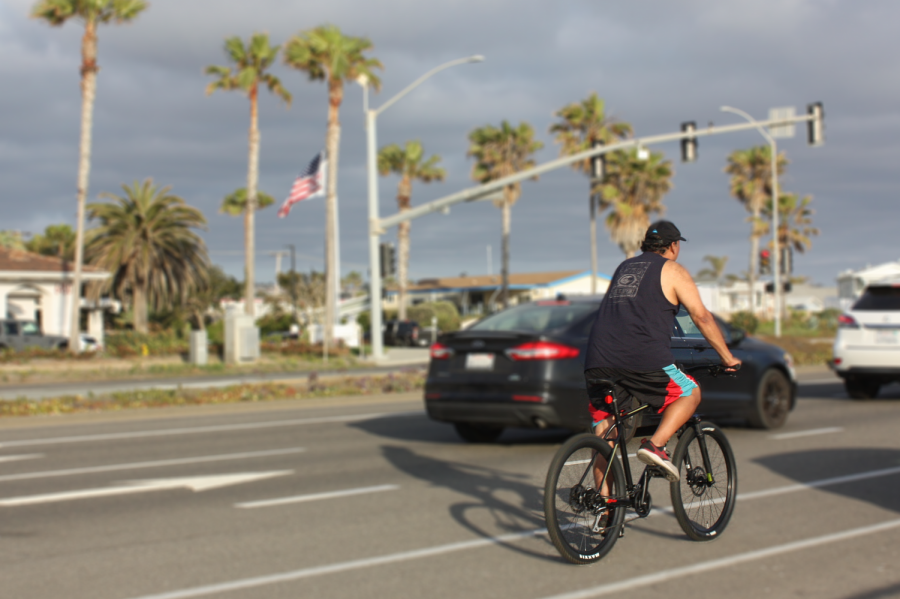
(630,341)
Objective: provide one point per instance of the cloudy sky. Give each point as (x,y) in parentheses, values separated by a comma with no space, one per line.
(655,63)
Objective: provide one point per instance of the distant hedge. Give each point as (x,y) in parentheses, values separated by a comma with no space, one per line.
(446,313)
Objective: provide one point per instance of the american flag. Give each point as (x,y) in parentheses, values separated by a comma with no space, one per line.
(309,184)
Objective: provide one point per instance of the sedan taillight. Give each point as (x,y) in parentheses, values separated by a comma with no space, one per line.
(439,351)
(542,350)
(845,321)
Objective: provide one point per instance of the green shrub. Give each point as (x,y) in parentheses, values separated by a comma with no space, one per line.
(126,344)
(446,313)
(274,323)
(746,321)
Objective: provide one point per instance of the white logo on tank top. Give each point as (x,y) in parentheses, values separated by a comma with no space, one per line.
(626,286)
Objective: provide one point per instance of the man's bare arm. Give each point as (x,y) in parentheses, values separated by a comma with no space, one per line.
(689,296)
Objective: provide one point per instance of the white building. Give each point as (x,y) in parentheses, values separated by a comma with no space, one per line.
(481,294)
(851,283)
(36,287)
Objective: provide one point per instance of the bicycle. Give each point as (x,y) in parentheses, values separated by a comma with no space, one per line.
(584,525)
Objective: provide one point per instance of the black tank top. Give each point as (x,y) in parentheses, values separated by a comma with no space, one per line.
(634,326)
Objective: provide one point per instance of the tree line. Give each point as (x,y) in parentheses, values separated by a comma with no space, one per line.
(147,237)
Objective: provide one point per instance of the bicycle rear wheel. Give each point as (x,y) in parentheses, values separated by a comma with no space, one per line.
(703,500)
(582,526)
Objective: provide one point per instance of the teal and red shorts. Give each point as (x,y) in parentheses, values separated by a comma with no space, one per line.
(658,388)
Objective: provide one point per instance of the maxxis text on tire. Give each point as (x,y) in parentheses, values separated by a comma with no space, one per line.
(569,526)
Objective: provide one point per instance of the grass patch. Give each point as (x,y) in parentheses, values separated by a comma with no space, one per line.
(806,352)
(314,387)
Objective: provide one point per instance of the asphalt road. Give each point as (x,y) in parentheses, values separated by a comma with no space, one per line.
(370,498)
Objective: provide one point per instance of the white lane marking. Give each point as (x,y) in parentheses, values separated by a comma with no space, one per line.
(16,458)
(317,496)
(576,462)
(725,562)
(809,433)
(824,482)
(440,549)
(206,429)
(369,562)
(195,483)
(138,465)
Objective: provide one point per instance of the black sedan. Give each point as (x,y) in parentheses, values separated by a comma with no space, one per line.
(524,367)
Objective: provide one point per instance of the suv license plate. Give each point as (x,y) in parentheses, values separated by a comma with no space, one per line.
(479,361)
(886,337)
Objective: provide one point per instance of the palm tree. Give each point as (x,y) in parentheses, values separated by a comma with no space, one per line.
(235,203)
(326,54)
(582,125)
(145,239)
(409,163)
(57,240)
(751,184)
(246,75)
(633,188)
(794,222)
(716,272)
(500,152)
(92,13)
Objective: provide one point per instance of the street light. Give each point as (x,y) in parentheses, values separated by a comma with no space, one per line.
(371,157)
(776,273)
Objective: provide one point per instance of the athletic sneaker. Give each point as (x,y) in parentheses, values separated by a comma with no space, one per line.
(657,456)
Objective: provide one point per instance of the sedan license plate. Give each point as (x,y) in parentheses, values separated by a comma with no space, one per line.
(479,361)
(889,337)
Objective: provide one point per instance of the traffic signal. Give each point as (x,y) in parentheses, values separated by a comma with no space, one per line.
(787,261)
(765,262)
(689,144)
(598,163)
(816,126)
(388,261)
(787,287)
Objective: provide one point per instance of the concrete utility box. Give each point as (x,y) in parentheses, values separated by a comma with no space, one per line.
(198,354)
(241,338)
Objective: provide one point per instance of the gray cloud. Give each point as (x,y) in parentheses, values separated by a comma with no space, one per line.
(655,63)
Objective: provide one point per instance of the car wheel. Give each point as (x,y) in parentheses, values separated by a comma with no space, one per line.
(773,401)
(860,388)
(478,433)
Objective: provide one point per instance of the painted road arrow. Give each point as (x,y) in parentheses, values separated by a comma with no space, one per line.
(194,483)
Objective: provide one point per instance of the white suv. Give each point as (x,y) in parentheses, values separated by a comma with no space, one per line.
(867,346)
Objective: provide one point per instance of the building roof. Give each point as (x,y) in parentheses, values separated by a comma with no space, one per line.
(22,261)
(516,281)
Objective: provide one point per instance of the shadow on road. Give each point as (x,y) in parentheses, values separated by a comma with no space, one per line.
(819,464)
(835,391)
(497,501)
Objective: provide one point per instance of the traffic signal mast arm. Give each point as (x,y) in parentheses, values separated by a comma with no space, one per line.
(377,227)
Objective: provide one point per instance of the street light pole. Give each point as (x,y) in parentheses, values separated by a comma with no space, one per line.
(375,230)
(776,262)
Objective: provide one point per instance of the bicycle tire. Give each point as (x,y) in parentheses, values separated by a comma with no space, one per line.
(571,527)
(704,505)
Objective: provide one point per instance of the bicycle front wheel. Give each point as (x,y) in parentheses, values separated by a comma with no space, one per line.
(703,499)
(580,521)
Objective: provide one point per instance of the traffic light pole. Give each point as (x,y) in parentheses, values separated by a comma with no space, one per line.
(377,226)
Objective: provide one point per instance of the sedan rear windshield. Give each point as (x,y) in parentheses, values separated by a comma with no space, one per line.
(879,298)
(537,318)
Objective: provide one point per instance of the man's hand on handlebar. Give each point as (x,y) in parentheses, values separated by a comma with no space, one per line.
(732,365)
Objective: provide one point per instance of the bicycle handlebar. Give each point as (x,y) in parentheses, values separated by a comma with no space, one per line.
(716,369)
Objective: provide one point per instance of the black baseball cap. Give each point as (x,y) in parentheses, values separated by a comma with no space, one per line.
(664,229)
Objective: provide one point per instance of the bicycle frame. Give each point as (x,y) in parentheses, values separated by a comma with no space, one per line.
(636,494)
